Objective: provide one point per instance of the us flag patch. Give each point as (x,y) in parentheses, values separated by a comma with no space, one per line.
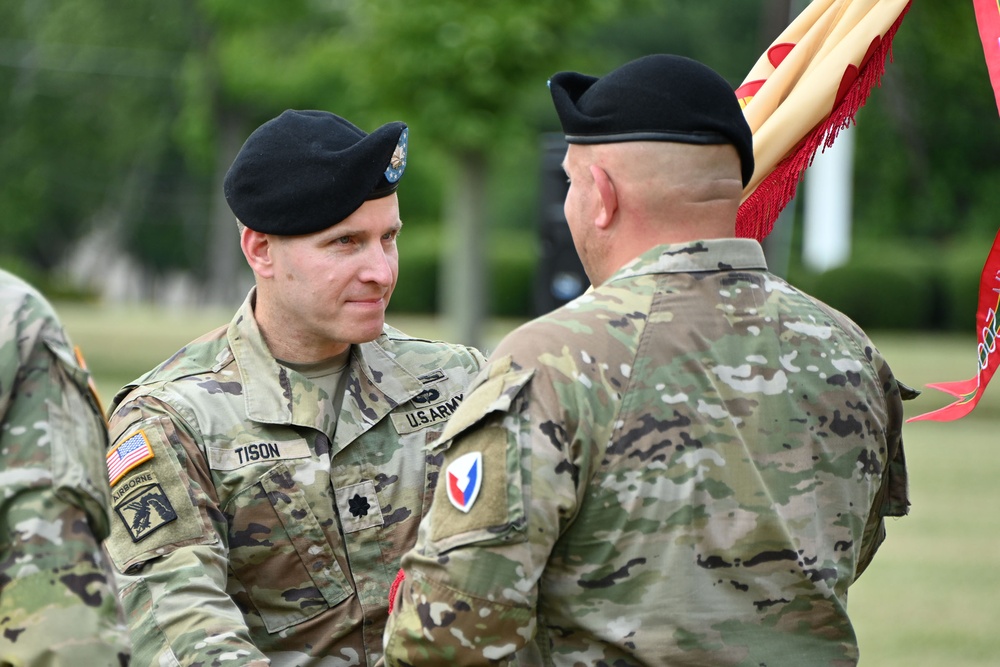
(128,454)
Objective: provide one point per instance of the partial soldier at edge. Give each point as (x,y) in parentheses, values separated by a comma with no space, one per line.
(58,605)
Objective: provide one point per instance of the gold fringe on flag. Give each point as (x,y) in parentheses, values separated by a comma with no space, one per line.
(804,89)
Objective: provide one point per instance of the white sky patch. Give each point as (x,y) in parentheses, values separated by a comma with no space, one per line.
(676,398)
(661,387)
(820,331)
(725,292)
(626,370)
(846,365)
(584,380)
(740,378)
(586,357)
(754,330)
(757,359)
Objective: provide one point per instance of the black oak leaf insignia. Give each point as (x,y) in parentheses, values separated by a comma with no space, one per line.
(358,505)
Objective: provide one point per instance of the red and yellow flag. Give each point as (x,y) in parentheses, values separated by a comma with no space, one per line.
(804,89)
(970,391)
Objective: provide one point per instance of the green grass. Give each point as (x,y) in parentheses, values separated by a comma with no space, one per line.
(931,595)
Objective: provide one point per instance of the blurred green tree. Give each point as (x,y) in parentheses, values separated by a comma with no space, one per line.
(126,116)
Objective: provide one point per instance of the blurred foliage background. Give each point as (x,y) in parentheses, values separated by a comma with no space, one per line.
(120,120)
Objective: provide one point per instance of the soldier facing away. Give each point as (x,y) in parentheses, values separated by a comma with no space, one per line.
(57,599)
(268,477)
(687,465)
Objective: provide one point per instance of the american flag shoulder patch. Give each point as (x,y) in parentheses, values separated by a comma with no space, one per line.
(129,453)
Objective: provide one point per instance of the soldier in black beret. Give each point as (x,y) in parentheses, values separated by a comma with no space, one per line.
(307,170)
(268,477)
(690,463)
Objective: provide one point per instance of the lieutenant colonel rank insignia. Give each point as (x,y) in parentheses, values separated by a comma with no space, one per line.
(464,476)
(128,454)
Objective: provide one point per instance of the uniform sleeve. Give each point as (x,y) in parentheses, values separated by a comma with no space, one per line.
(168,544)
(471,581)
(892,497)
(58,605)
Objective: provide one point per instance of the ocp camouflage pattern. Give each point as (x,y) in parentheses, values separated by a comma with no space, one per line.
(265,528)
(58,605)
(688,465)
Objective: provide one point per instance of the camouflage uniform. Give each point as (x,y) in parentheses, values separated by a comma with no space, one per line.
(251,528)
(57,600)
(688,465)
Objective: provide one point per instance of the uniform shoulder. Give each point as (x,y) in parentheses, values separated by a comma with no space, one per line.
(200,355)
(809,302)
(591,321)
(429,351)
(23,307)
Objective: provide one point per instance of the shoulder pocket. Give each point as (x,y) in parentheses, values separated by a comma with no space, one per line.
(480,495)
(78,438)
(494,393)
(155,508)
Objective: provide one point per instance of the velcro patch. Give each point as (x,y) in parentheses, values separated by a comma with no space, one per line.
(358,507)
(127,454)
(426,415)
(255,452)
(487,508)
(145,510)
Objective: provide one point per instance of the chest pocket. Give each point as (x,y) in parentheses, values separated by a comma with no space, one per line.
(280,553)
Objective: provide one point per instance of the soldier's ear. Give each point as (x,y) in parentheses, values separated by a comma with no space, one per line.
(257,248)
(608,194)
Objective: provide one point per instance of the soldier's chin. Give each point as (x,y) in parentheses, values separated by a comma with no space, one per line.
(369,331)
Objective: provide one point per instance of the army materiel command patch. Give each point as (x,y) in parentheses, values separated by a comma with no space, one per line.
(132,451)
(464,477)
(145,511)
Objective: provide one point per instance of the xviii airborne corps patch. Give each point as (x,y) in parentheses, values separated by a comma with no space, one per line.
(144,511)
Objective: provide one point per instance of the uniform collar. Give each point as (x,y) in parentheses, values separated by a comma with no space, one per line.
(376,383)
(705,255)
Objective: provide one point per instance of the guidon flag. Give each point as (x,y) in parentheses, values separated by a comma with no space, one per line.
(803,90)
(968,392)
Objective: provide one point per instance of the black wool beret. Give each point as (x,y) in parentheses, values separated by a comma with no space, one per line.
(655,98)
(307,170)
